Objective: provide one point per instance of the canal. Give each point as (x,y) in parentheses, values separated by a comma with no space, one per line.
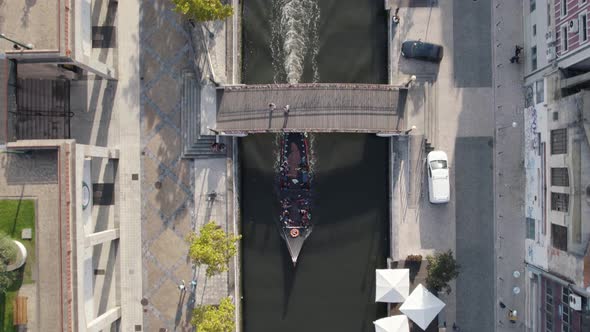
(332,287)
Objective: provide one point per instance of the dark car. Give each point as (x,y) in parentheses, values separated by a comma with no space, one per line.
(422,51)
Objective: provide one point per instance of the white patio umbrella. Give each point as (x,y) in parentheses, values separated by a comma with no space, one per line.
(392,285)
(421,306)
(397,323)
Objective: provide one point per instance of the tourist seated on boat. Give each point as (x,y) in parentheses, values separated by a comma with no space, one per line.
(285,213)
(304,176)
(305,221)
(286,203)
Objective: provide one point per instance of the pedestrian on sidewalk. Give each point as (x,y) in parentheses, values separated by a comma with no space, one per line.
(396,16)
(516,57)
(181,286)
(286,114)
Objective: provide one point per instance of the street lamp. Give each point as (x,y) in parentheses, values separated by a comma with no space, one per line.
(17,45)
(411,128)
(412,79)
(513,125)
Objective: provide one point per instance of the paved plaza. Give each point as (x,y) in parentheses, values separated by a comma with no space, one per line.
(174,190)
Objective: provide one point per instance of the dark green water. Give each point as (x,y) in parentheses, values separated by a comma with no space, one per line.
(352,44)
(332,287)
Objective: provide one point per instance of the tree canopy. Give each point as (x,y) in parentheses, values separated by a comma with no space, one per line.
(8,252)
(209,318)
(213,247)
(203,10)
(442,268)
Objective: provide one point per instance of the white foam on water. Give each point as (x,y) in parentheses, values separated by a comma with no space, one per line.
(294,38)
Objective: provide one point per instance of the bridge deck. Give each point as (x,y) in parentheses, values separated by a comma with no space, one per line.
(313,107)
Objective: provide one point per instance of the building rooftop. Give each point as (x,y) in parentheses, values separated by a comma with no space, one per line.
(80,32)
(35,22)
(75,274)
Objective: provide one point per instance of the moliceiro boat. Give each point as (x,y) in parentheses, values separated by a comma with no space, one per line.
(294,182)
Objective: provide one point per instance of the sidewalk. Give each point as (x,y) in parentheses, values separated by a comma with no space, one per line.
(127,105)
(174,190)
(509,173)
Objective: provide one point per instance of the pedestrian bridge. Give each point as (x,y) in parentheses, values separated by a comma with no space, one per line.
(317,107)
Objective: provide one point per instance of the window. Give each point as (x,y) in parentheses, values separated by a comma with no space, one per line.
(563,8)
(534,58)
(549,13)
(548,307)
(560,202)
(583,27)
(559,238)
(565,315)
(534,29)
(530,228)
(438,164)
(564,38)
(565,295)
(529,95)
(540,91)
(559,177)
(533,5)
(559,141)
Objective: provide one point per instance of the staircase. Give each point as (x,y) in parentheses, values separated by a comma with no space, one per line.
(194,144)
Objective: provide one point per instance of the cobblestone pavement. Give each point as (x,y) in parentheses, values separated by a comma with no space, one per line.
(175,190)
(167,180)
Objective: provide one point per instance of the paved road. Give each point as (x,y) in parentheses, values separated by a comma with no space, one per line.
(474,233)
(472,41)
(451,105)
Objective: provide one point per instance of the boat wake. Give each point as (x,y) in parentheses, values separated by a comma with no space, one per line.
(294,39)
(294,43)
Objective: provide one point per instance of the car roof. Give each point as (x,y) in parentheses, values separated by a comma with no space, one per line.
(420,42)
(437,155)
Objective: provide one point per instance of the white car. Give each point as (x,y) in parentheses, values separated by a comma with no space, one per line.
(439,190)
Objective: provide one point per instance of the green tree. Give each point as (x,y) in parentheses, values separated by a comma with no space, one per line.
(203,10)
(213,247)
(8,252)
(442,268)
(209,318)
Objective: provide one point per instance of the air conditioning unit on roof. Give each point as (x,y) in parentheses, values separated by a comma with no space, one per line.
(572,25)
(575,302)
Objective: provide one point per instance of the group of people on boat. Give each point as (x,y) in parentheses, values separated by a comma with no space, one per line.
(295,184)
(301,180)
(302,209)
